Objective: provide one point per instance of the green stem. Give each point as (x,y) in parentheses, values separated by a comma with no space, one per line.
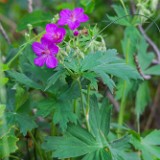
(53,129)
(122,109)
(23,47)
(124,7)
(88,107)
(84,110)
(138,124)
(37,146)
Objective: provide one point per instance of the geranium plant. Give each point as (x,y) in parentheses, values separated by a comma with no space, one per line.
(57,98)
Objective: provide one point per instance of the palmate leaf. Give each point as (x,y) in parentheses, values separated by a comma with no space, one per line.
(76,142)
(108,63)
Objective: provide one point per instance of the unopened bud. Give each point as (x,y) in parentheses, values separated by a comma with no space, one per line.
(76,33)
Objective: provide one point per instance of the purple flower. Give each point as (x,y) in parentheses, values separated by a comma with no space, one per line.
(72,18)
(54,34)
(45,51)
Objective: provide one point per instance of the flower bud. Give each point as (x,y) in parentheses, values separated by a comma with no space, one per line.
(76,33)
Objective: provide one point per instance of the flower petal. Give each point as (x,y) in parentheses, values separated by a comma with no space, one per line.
(51,27)
(73,25)
(53,49)
(45,41)
(65,13)
(37,48)
(51,62)
(78,11)
(64,16)
(40,61)
(83,18)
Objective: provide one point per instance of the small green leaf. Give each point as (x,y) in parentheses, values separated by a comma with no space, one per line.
(20,97)
(8,145)
(72,92)
(142,98)
(45,107)
(154,70)
(64,114)
(53,79)
(25,122)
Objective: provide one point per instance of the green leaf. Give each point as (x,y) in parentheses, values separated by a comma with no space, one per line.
(106,80)
(120,15)
(8,145)
(145,58)
(36,18)
(64,5)
(45,107)
(53,79)
(129,43)
(99,122)
(88,5)
(154,70)
(142,98)
(20,97)
(76,142)
(64,114)
(153,138)
(120,70)
(72,92)
(105,112)
(2,109)
(150,148)
(23,79)
(104,63)
(91,76)
(25,122)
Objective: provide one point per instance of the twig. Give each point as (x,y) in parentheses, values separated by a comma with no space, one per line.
(113,101)
(152,44)
(4,34)
(30,8)
(8,21)
(155,105)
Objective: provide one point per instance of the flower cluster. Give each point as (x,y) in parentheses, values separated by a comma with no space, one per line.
(47,48)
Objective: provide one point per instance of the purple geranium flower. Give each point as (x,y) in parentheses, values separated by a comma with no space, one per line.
(45,51)
(72,18)
(54,34)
